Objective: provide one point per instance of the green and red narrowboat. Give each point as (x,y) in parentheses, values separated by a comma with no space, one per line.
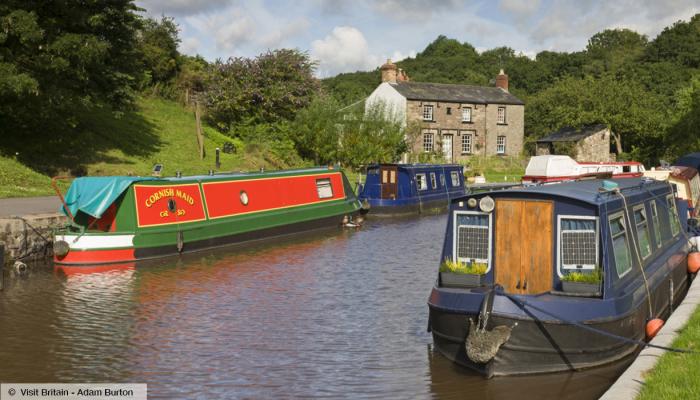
(124,219)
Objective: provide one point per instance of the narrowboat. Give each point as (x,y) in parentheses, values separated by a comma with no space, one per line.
(393,189)
(554,168)
(549,271)
(124,219)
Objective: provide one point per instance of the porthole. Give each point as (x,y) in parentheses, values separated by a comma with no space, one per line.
(244,198)
(172,205)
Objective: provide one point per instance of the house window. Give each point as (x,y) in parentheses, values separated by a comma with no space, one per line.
(448,111)
(427,113)
(621,250)
(501,145)
(467,140)
(673,216)
(501,115)
(433,181)
(421,182)
(427,142)
(578,243)
(472,241)
(657,224)
(640,221)
(324,188)
(455,178)
(466,114)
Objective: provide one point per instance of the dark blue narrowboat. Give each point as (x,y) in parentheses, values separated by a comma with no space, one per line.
(521,312)
(392,189)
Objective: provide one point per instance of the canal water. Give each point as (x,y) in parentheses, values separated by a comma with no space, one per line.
(339,314)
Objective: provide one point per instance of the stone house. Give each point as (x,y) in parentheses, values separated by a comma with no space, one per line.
(457,121)
(589,143)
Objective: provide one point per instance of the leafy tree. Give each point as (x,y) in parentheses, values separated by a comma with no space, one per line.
(679,43)
(610,49)
(158,42)
(684,134)
(267,89)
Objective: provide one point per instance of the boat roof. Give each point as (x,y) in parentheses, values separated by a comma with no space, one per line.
(415,166)
(689,160)
(587,191)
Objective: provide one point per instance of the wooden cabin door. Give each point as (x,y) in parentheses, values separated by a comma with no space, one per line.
(523,254)
(389,177)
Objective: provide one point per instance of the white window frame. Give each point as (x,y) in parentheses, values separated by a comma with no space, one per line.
(560,231)
(490,236)
(442,180)
(501,116)
(469,135)
(501,147)
(466,114)
(433,181)
(431,141)
(324,188)
(673,212)
(423,180)
(621,214)
(636,230)
(428,112)
(453,175)
(656,220)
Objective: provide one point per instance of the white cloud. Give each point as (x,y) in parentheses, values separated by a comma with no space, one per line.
(519,8)
(344,49)
(181,7)
(277,36)
(190,45)
(415,10)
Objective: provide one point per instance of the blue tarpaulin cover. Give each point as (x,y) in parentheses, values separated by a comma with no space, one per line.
(94,195)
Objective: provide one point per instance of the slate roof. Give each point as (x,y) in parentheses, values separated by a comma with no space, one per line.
(569,134)
(455,93)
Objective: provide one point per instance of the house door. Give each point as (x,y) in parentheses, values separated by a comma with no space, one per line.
(447,147)
(523,254)
(389,179)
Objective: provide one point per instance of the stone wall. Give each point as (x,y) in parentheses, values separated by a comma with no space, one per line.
(595,148)
(483,128)
(29,235)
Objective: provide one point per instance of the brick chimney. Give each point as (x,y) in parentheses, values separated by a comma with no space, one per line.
(502,80)
(402,76)
(389,72)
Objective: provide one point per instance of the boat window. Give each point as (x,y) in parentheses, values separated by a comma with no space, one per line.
(421,182)
(472,240)
(578,242)
(442,180)
(324,188)
(656,223)
(373,171)
(640,221)
(385,176)
(673,216)
(433,181)
(621,250)
(455,178)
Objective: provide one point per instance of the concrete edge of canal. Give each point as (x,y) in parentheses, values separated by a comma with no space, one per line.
(631,382)
(28,237)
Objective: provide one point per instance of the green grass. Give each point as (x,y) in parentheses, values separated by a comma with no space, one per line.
(160,131)
(457,267)
(497,168)
(676,374)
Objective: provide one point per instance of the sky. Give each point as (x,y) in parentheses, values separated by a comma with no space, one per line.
(347,36)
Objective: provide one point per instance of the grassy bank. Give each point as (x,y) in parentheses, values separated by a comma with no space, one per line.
(498,169)
(676,374)
(160,131)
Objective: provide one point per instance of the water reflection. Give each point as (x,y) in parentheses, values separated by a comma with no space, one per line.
(339,314)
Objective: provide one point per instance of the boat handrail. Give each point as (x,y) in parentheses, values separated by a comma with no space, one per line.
(54,185)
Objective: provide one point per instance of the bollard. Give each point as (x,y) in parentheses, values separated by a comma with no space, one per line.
(218,162)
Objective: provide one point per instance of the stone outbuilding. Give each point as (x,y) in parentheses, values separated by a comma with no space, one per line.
(589,143)
(456,121)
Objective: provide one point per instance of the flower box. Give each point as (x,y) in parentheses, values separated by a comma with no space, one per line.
(580,287)
(450,279)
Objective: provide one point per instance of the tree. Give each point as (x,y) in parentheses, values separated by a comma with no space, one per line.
(684,134)
(610,49)
(270,88)
(679,43)
(158,41)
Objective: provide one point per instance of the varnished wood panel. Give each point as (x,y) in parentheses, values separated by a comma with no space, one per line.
(536,251)
(509,240)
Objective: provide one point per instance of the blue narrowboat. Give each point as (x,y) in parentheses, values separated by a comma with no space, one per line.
(392,189)
(558,277)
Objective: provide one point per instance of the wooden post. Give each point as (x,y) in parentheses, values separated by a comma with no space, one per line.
(200,137)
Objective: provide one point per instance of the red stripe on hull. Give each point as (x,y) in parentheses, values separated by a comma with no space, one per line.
(223,198)
(96,257)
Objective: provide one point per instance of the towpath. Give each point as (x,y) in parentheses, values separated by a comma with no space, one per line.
(28,206)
